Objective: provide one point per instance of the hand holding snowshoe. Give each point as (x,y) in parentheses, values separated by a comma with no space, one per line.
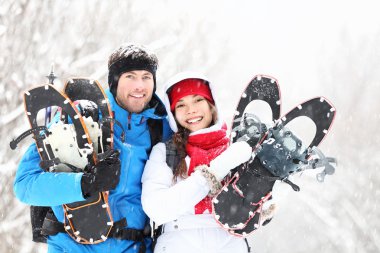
(233,156)
(267,212)
(103,176)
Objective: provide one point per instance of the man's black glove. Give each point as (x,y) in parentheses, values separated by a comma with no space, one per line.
(103,176)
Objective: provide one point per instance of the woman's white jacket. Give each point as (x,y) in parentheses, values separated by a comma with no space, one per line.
(165,200)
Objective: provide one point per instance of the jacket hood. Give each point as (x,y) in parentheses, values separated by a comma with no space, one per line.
(180,77)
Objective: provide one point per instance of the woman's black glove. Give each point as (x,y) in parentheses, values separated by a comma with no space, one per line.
(103,176)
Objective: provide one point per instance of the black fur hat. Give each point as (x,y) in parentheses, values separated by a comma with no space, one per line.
(127,58)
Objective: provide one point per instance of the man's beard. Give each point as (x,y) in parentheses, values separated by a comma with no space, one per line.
(134,106)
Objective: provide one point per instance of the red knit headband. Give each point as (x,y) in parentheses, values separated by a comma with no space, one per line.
(189,87)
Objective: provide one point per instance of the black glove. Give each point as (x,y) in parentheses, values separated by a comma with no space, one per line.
(88,108)
(103,176)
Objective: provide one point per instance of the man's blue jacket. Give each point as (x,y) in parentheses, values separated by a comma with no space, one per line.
(33,186)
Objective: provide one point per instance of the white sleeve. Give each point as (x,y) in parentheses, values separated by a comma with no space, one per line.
(161,200)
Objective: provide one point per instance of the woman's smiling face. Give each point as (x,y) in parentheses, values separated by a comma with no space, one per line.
(193,112)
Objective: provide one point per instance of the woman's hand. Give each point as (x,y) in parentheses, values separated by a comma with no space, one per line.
(236,154)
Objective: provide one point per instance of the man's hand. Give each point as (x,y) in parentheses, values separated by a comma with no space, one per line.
(103,176)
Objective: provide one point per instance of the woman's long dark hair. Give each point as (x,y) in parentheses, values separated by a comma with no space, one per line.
(180,141)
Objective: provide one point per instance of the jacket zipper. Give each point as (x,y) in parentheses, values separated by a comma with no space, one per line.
(129,121)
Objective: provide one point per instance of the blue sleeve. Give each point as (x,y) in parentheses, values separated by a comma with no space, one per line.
(167,132)
(34,186)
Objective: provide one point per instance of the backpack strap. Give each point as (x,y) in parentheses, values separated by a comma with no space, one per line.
(155,131)
(172,155)
(37,216)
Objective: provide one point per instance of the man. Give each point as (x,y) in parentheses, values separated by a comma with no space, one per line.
(132,81)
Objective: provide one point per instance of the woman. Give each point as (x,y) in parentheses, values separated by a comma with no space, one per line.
(178,194)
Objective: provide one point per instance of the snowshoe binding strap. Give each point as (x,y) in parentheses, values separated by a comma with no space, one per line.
(35,131)
(250,129)
(321,161)
(46,164)
(279,152)
(105,155)
(293,185)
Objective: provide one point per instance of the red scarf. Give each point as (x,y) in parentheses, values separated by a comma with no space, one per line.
(202,149)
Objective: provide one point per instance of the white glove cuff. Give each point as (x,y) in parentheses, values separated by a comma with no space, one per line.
(214,184)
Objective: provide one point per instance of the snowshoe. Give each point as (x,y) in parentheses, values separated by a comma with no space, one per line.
(279,153)
(73,141)
(248,127)
(92,101)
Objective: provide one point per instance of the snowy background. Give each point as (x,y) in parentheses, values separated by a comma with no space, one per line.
(325,47)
